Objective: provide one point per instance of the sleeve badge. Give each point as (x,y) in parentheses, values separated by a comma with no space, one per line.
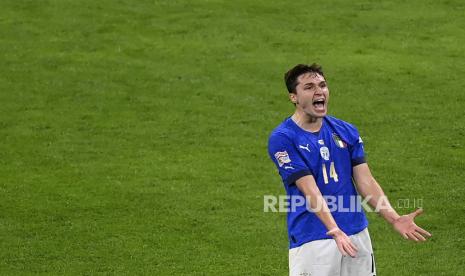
(282,157)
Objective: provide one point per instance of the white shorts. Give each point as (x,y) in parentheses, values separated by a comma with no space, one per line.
(322,258)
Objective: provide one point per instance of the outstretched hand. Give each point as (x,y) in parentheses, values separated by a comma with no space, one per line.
(406,226)
(345,245)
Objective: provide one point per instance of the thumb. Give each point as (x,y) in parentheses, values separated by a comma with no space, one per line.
(417,212)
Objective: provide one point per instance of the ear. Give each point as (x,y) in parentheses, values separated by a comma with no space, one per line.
(293,98)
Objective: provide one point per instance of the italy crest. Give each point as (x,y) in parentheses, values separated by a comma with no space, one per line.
(338,141)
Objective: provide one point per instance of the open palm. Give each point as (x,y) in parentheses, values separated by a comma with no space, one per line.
(406,226)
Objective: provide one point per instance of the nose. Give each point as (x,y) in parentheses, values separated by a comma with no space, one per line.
(319,91)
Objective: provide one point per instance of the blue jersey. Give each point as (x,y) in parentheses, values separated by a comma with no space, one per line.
(328,155)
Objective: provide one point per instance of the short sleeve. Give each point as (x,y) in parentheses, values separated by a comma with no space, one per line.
(357,152)
(289,162)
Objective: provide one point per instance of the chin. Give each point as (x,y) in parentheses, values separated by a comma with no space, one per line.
(316,114)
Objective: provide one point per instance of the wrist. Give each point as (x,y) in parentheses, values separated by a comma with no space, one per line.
(334,231)
(391,216)
(394,219)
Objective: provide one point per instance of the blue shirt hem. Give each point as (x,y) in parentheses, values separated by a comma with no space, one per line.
(310,238)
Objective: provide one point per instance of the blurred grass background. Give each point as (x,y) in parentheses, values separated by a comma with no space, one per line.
(133,133)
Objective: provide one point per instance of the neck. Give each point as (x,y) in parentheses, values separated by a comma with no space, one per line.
(307,122)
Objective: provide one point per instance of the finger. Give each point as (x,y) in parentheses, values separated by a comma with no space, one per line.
(353,246)
(341,249)
(404,235)
(423,231)
(353,249)
(349,250)
(422,235)
(419,236)
(417,212)
(412,237)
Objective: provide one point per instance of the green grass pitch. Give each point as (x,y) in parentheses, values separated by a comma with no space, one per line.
(133,133)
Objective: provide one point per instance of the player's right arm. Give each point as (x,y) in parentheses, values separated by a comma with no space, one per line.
(308,187)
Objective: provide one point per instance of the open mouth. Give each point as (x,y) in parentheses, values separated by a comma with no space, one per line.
(319,103)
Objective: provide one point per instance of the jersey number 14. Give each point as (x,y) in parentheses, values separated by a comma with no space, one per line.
(332,173)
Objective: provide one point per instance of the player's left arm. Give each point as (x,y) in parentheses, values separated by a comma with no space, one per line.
(369,188)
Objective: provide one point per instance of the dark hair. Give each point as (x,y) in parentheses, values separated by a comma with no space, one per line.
(290,78)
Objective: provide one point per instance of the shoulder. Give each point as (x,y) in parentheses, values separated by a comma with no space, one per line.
(335,122)
(282,133)
(344,129)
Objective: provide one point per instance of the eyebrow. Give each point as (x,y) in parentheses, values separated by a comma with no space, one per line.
(312,83)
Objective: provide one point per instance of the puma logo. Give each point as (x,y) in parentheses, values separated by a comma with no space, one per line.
(305,148)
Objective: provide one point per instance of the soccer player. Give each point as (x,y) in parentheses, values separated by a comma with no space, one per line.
(321,159)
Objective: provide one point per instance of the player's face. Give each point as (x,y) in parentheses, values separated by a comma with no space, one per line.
(312,95)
